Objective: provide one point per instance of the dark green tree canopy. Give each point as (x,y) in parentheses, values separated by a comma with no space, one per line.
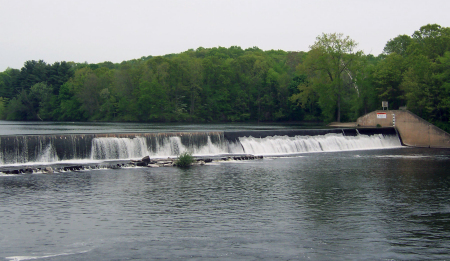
(398,45)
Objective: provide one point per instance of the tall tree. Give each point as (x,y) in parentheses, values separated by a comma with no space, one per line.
(329,66)
(387,77)
(366,99)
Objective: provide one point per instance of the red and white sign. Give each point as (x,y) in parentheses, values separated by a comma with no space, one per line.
(381,115)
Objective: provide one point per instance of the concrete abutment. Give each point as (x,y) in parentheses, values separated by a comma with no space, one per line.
(413,130)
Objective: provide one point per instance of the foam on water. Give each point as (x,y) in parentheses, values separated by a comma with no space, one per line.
(20,258)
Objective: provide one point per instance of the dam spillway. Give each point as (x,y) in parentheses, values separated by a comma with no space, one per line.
(30,149)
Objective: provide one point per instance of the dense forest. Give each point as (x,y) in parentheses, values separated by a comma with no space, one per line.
(331,82)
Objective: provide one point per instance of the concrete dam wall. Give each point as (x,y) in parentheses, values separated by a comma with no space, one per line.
(413,130)
(40,149)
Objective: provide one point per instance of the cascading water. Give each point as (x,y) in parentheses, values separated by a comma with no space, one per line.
(94,147)
(279,145)
(168,146)
(48,154)
(173,146)
(118,148)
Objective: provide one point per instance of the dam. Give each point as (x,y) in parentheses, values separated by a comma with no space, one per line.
(39,149)
(376,130)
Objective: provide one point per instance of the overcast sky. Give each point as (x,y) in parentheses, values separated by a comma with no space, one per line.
(115,30)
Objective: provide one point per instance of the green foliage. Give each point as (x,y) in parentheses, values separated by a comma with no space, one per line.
(398,45)
(43,100)
(7,79)
(431,40)
(331,75)
(3,102)
(419,76)
(366,99)
(387,78)
(330,82)
(184,160)
(69,108)
(443,125)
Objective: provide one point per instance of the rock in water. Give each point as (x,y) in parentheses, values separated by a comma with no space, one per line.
(146,159)
(141,164)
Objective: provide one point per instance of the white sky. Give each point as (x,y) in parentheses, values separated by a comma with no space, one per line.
(117,30)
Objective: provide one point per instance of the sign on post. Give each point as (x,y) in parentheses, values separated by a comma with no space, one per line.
(384,104)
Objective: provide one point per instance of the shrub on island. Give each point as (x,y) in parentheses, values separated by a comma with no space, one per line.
(184,160)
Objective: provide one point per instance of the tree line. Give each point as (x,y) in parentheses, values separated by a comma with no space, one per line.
(333,81)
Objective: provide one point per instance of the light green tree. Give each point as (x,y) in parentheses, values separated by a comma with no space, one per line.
(329,67)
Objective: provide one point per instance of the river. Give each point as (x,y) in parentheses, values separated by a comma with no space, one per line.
(358,204)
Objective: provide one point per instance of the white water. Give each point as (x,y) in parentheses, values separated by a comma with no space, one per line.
(113,148)
(172,147)
(125,148)
(279,145)
(118,148)
(48,154)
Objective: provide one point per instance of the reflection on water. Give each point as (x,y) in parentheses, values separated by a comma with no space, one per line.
(362,205)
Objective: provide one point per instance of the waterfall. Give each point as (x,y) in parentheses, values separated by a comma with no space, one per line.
(173,146)
(118,148)
(29,149)
(48,154)
(279,145)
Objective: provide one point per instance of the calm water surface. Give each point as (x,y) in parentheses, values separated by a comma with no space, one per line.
(361,205)
(44,127)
